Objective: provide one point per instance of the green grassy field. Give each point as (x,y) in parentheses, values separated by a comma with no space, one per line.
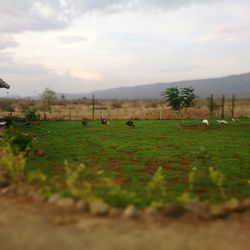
(129,159)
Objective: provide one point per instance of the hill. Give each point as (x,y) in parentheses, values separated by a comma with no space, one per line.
(234,84)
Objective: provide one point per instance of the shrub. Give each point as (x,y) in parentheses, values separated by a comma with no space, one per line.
(12,165)
(30,114)
(18,141)
(157,189)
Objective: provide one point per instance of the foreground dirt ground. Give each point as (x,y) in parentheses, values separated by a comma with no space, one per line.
(29,225)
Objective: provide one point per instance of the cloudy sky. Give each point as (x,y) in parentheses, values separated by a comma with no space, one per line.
(78,46)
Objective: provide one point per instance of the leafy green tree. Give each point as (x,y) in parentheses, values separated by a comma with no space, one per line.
(179,99)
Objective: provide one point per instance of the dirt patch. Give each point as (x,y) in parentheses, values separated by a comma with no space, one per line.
(113,165)
(119,181)
(243,126)
(30,225)
(197,127)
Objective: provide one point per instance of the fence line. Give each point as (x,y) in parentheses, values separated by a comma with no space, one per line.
(223,107)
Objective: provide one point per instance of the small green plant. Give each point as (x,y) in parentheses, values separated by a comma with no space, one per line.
(157,189)
(30,114)
(198,177)
(191,178)
(218,179)
(76,185)
(115,194)
(12,165)
(72,176)
(199,171)
(185,197)
(36,177)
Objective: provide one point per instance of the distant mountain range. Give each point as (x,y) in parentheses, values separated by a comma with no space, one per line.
(234,84)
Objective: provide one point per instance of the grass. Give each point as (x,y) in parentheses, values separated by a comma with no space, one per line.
(130,157)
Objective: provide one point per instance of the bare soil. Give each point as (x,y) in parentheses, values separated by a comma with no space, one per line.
(34,225)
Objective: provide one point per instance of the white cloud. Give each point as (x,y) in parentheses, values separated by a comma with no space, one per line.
(18,16)
(94,44)
(7,41)
(73,39)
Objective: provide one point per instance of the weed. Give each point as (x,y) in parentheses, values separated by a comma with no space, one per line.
(157,189)
(12,165)
(218,179)
(36,177)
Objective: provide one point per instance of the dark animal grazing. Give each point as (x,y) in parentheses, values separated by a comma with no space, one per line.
(104,121)
(84,122)
(130,124)
(26,123)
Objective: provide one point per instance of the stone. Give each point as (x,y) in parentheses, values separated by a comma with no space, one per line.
(151,212)
(131,212)
(198,208)
(174,211)
(54,198)
(99,208)
(22,190)
(81,205)
(9,190)
(65,202)
(246,203)
(36,196)
(115,212)
(233,205)
(218,211)
(4,183)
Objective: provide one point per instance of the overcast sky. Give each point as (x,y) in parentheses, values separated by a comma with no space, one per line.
(77,46)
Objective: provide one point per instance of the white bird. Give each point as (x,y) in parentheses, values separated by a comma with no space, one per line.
(2,122)
(235,119)
(222,122)
(205,121)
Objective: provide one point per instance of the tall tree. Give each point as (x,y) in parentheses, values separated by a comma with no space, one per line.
(48,96)
(179,99)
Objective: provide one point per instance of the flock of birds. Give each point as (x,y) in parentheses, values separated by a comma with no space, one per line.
(129,123)
(221,122)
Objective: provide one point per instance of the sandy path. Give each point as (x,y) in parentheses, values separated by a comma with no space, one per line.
(33,226)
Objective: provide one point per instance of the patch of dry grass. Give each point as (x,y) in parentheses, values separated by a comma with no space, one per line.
(122,109)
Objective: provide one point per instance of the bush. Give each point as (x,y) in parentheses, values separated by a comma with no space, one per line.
(11,165)
(18,141)
(30,114)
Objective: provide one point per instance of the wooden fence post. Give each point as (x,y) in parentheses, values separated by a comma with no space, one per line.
(233,105)
(93,107)
(211,105)
(222,106)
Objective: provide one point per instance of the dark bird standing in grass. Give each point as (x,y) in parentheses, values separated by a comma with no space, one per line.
(130,123)
(84,122)
(104,121)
